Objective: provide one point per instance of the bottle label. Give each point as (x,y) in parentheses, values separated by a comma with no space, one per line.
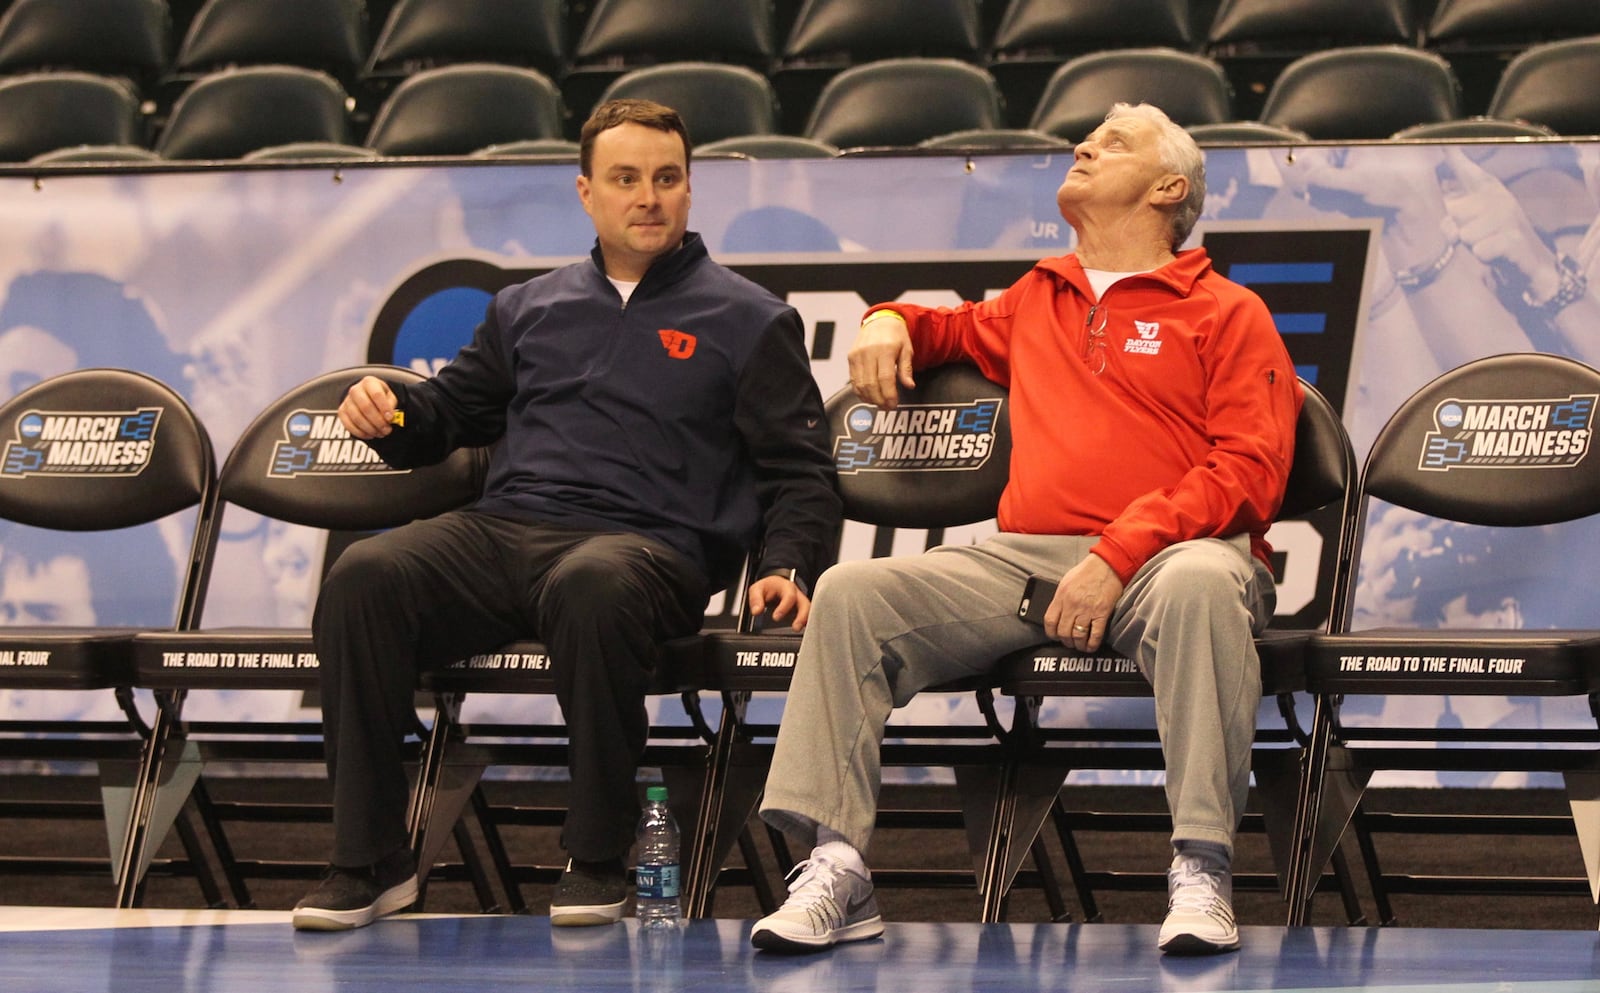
(656,882)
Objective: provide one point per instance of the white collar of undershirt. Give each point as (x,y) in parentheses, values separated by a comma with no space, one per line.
(624,286)
(1101,280)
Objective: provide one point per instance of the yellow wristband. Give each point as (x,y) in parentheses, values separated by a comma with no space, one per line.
(876,314)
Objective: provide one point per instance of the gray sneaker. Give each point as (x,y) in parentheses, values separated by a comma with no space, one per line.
(828,903)
(351,898)
(1199,909)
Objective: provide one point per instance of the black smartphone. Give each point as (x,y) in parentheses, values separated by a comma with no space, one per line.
(1036,597)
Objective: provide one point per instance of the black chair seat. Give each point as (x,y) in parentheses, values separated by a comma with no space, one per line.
(64,658)
(1487,662)
(243,658)
(524,667)
(753,662)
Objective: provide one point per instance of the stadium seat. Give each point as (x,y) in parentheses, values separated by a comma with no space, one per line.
(1039,756)
(231,112)
(541,147)
(769,146)
(897,497)
(43,111)
(828,36)
(1256,39)
(1474,127)
(621,35)
(330,35)
(1245,132)
(127,38)
(300,151)
(899,102)
(423,34)
(1365,92)
(1480,36)
(996,139)
(95,154)
(1190,88)
(1035,36)
(1473,457)
(458,109)
(294,464)
(715,100)
(159,469)
(1556,84)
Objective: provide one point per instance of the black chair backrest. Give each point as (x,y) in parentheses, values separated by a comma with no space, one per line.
(858,32)
(296,463)
(232,112)
(1556,84)
(101,449)
(130,38)
(1092,25)
(715,100)
(458,109)
(1301,24)
(424,33)
(44,111)
(1506,23)
(1192,89)
(941,458)
(1366,92)
(1500,441)
(899,102)
(319,34)
(643,31)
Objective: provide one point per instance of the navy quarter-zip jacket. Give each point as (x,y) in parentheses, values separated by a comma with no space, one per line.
(689,415)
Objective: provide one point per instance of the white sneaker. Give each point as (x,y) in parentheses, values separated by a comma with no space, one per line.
(1199,909)
(828,902)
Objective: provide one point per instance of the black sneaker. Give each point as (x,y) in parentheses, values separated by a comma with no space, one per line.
(352,898)
(590,893)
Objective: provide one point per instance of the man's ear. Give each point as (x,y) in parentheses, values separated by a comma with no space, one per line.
(1170,190)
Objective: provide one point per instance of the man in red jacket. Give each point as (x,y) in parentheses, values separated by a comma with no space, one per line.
(1153,410)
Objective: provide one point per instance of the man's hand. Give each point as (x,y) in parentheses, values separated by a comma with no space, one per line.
(880,359)
(783,596)
(1078,615)
(367,409)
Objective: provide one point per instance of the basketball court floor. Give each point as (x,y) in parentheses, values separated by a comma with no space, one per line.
(43,950)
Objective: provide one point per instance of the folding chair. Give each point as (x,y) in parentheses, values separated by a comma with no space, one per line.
(296,464)
(1039,757)
(111,451)
(938,477)
(1499,442)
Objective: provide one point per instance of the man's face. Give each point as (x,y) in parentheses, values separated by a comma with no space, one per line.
(637,195)
(53,592)
(1117,167)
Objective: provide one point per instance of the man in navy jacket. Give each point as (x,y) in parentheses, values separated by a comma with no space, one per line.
(655,416)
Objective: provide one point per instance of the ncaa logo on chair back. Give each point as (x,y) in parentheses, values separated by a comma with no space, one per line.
(66,443)
(315,443)
(928,436)
(1509,434)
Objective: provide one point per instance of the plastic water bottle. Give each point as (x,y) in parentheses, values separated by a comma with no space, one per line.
(656,902)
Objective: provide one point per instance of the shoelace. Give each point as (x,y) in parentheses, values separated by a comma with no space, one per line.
(1195,887)
(814,881)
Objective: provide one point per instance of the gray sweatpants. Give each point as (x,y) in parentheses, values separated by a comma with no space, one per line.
(883,629)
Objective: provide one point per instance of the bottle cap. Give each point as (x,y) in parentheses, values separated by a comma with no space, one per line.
(656,794)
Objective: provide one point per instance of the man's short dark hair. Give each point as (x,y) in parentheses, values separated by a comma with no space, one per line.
(616,112)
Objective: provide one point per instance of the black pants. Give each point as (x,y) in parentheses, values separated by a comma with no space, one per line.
(435,591)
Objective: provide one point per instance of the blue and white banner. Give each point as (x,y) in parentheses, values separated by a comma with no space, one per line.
(1383,264)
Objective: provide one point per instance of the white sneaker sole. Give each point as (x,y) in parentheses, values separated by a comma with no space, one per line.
(587,916)
(770,938)
(1192,944)
(395,898)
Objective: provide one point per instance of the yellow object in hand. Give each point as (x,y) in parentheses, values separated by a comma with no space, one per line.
(397,417)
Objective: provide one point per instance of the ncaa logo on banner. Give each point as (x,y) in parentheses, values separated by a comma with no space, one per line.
(63,443)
